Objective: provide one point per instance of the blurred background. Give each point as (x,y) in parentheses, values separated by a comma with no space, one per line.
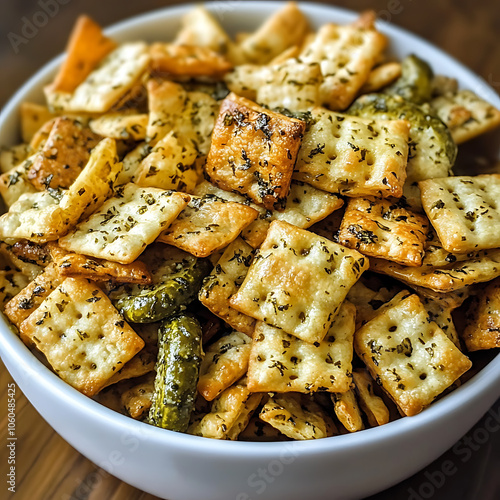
(34,31)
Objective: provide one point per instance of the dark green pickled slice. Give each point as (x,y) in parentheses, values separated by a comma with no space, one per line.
(415,82)
(177,278)
(177,372)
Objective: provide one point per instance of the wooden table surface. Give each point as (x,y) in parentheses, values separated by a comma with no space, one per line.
(47,468)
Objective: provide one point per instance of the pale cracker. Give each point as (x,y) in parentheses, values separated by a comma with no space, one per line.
(373,406)
(125,224)
(384,228)
(282,363)
(482,329)
(381,76)
(121,126)
(207,225)
(346,55)
(466,114)
(438,312)
(296,416)
(347,410)
(298,281)
(132,163)
(32,117)
(13,156)
(463,211)
(435,255)
(225,362)
(82,335)
(253,151)
(12,282)
(409,356)
(224,280)
(354,156)
(14,182)
(138,399)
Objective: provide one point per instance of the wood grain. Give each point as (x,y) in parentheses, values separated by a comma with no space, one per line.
(47,468)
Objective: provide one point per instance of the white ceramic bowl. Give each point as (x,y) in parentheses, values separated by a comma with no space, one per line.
(182,467)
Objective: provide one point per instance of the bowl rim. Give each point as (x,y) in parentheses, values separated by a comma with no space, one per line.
(11,346)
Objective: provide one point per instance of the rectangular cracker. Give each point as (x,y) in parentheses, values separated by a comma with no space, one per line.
(224,280)
(14,182)
(466,114)
(484,266)
(253,151)
(208,224)
(297,416)
(116,74)
(372,405)
(298,281)
(410,357)
(384,228)
(121,126)
(282,363)
(225,362)
(169,165)
(354,156)
(463,211)
(348,411)
(82,335)
(125,224)
(482,329)
(346,55)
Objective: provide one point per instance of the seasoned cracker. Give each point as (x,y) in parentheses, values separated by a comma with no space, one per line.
(384,228)
(121,126)
(138,399)
(354,156)
(409,356)
(15,182)
(225,362)
(381,76)
(347,410)
(207,225)
(463,211)
(224,281)
(440,313)
(82,335)
(12,282)
(282,363)
(298,281)
(253,151)
(132,163)
(260,431)
(373,406)
(125,224)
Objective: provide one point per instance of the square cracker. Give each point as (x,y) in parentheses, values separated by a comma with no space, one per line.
(224,281)
(282,363)
(225,362)
(409,356)
(464,211)
(482,266)
(466,114)
(125,224)
(346,55)
(482,329)
(253,151)
(207,225)
(384,228)
(298,281)
(354,156)
(82,335)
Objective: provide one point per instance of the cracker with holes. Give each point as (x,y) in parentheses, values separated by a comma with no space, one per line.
(225,362)
(224,281)
(466,114)
(15,182)
(483,266)
(297,416)
(115,75)
(76,265)
(207,225)
(298,281)
(285,28)
(29,298)
(191,115)
(354,156)
(283,363)
(121,126)
(187,61)
(464,211)
(82,335)
(229,411)
(346,55)
(384,228)
(412,358)
(125,224)
(137,400)
(482,329)
(253,151)
(372,405)
(169,165)
(348,411)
